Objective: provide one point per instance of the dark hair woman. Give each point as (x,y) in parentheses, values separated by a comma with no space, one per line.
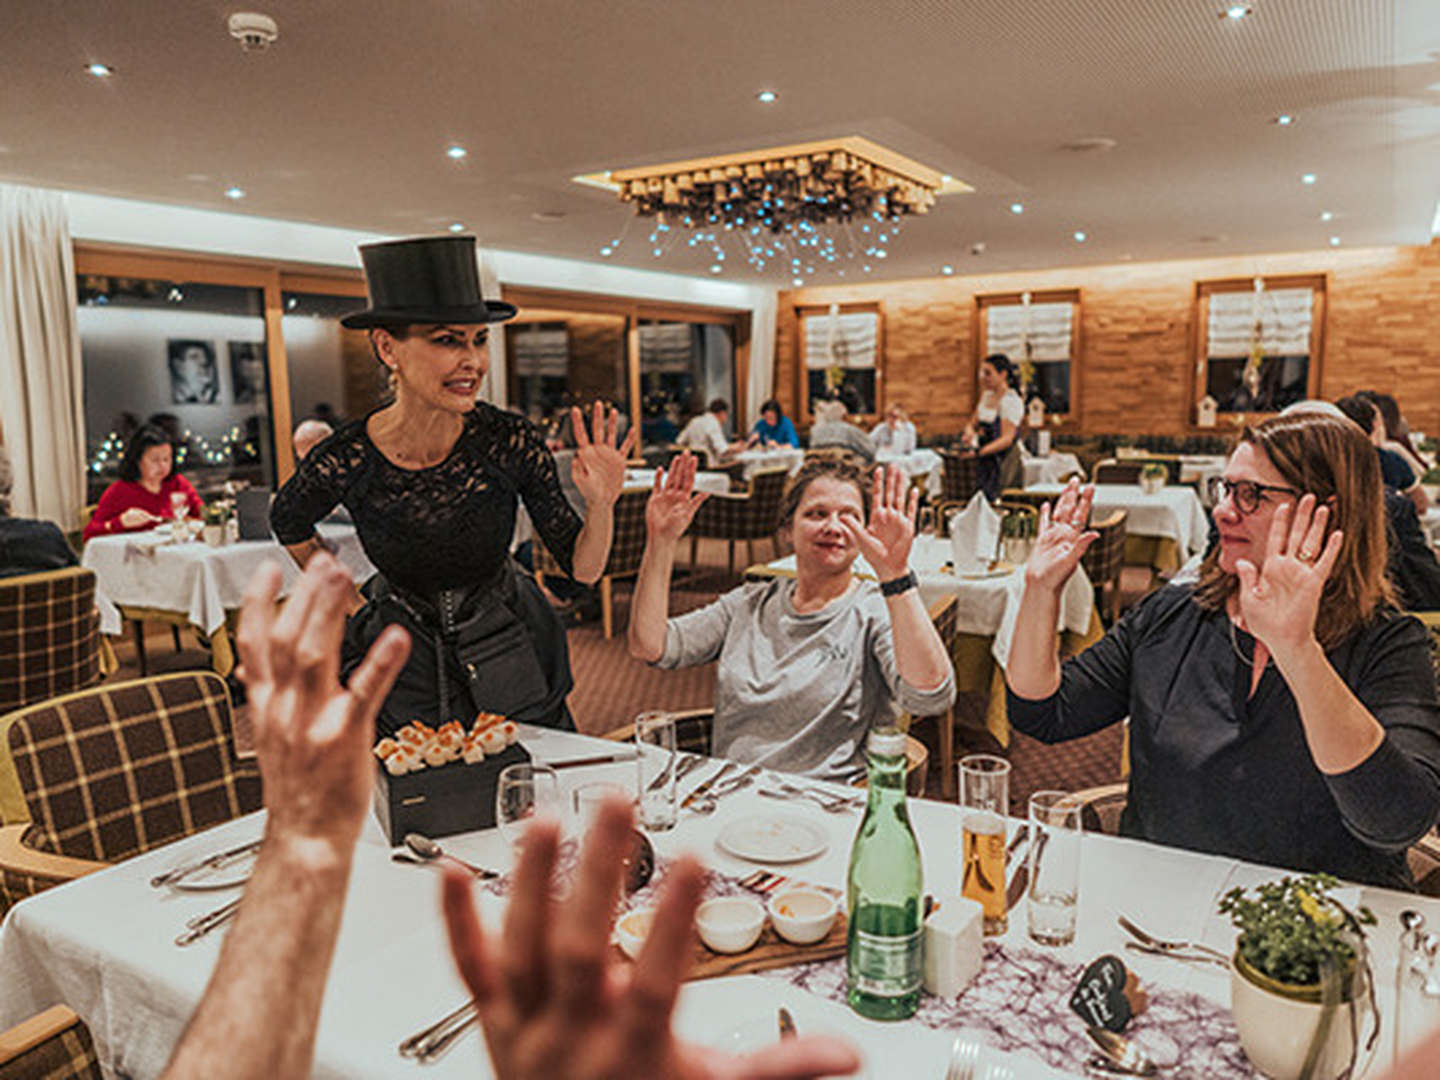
(1281,710)
(432,481)
(773,428)
(994,433)
(149,490)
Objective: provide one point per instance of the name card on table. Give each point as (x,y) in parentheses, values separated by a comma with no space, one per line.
(1108,995)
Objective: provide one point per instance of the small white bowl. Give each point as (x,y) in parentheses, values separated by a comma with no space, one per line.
(632,930)
(730,924)
(802,916)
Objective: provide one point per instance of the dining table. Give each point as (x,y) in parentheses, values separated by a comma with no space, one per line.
(104,945)
(1163,528)
(759,459)
(921,465)
(1051,468)
(143,575)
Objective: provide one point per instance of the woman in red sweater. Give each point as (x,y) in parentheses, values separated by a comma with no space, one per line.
(141,498)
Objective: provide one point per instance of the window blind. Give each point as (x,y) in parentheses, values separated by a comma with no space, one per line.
(1283,314)
(541,351)
(841,340)
(1045,327)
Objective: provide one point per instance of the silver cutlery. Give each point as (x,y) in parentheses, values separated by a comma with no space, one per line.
(427,850)
(201,925)
(830,804)
(687,765)
(964,1059)
(439,1035)
(711,800)
(1178,954)
(1119,1054)
(705,785)
(1152,943)
(209,862)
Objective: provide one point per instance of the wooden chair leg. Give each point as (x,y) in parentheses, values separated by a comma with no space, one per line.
(749,552)
(694,552)
(606,607)
(947,754)
(775,544)
(731,561)
(138,628)
(175,634)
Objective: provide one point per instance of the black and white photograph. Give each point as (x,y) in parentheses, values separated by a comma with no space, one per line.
(247,371)
(194,378)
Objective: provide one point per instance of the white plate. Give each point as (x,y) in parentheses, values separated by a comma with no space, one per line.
(773,838)
(230,876)
(762,1031)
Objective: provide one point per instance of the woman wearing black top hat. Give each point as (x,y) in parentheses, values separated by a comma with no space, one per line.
(432,481)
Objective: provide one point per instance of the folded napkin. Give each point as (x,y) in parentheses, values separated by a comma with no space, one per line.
(974,534)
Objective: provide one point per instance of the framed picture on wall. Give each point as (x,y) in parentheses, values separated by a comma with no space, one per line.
(194,378)
(248,371)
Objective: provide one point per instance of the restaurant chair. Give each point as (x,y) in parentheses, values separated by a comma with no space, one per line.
(627,544)
(694,729)
(754,515)
(51,1045)
(959,477)
(1021,497)
(118,770)
(1111,471)
(50,641)
(944,616)
(1103,561)
(1424,859)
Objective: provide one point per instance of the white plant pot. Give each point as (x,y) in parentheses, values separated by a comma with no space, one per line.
(1275,1031)
(214,535)
(1152,485)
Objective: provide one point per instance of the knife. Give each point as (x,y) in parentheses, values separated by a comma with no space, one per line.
(706,785)
(787,1024)
(210,862)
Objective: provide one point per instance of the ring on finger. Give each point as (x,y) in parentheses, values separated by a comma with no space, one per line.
(1307,556)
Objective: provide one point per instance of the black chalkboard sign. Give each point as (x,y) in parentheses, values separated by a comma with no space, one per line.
(1100,998)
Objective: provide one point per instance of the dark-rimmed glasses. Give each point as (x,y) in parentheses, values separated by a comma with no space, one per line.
(1245,495)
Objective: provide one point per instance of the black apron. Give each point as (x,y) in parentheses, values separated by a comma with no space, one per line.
(493,647)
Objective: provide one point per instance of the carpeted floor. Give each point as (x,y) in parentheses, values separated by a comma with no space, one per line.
(611,688)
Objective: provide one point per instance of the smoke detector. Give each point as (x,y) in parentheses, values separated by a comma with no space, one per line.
(254,31)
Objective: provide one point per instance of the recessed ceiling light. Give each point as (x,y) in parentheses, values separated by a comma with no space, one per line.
(1327,215)
(1080,237)
(455,152)
(1236,11)
(234,193)
(1334,241)
(715,268)
(456,226)
(947,269)
(100,71)
(1284,119)
(1017,208)
(607,251)
(1308,178)
(766,96)
(799,281)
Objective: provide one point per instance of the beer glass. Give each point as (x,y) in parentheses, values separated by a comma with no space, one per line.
(984,802)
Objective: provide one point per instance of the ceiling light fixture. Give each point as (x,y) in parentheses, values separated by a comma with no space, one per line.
(1017,208)
(1236,12)
(456,152)
(234,193)
(766,96)
(947,269)
(1308,178)
(715,268)
(100,71)
(1080,237)
(1284,119)
(456,226)
(1327,215)
(607,251)
(1334,241)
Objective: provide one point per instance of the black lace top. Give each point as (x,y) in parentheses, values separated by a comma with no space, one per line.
(445,527)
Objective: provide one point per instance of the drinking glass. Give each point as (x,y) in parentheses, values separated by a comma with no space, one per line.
(1055,833)
(656,759)
(524,791)
(587,798)
(1417,990)
(178,505)
(985,802)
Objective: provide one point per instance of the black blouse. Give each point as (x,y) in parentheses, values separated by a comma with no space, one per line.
(1214,769)
(444,527)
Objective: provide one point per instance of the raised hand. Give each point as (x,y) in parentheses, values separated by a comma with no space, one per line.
(673,501)
(1280,599)
(886,539)
(1062,538)
(555,1000)
(598,467)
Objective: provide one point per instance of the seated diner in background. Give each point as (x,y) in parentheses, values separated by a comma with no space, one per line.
(1395,470)
(148,488)
(831,431)
(1281,711)
(27,546)
(773,428)
(808,665)
(705,433)
(895,434)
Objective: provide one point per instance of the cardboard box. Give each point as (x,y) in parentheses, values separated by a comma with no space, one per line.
(454,798)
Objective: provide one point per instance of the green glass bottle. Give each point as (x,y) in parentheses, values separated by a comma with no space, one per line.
(884,957)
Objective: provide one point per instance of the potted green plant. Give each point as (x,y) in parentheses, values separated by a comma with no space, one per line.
(1300,980)
(1152,477)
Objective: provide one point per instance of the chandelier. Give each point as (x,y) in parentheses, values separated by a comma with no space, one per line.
(817,204)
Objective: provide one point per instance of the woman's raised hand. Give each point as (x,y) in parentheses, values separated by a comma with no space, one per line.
(1280,599)
(673,501)
(1062,538)
(598,468)
(885,541)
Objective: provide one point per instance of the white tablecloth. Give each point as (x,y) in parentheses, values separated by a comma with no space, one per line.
(201,581)
(1174,512)
(988,603)
(1052,468)
(785,457)
(104,944)
(919,462)
(635,479)
(1200,469)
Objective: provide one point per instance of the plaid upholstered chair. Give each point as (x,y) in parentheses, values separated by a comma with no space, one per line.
(754,515)
(118,770)
(54,1044)
(627,544)
(959,477)
(1103,561)
(50,641)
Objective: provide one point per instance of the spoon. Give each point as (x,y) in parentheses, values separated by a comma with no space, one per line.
(1121,1055)
(426,850)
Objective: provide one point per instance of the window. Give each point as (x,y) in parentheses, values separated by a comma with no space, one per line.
(1037,331)
(334,376)
(683,367)
(841,350)
(1259,342)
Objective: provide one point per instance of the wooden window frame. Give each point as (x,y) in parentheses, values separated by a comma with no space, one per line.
(1319,286)
(1067,421)
(802,417)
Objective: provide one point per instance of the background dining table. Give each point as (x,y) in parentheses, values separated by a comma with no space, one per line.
(776,457)
(104,945)
(1162,529)
(1050,468)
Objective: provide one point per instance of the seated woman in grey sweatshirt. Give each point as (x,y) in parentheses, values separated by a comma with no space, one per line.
(807,665)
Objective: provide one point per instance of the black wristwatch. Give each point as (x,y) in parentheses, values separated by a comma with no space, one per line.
(900,584)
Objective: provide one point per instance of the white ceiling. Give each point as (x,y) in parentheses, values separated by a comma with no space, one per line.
(345,120)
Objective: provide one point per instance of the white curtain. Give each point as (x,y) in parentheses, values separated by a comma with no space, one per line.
(1045,327)
(541,351)
(761,383)
(666,347)
(41,403)
(1283,315)
(836,340)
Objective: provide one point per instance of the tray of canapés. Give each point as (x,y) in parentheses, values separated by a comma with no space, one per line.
(418,746)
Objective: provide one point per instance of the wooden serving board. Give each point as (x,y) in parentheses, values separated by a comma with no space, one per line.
(771,951)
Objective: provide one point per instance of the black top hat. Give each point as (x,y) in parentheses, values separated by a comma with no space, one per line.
(433,279)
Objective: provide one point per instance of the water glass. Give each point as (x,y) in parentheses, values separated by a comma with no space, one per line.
(178,505)
(1417,997)
(985,802)
(1055,833)
(656,761)
(524,791)
(587,799)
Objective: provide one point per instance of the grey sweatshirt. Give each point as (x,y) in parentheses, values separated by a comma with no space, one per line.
(799,693)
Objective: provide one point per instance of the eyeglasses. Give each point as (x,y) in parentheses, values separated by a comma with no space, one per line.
(1245,495)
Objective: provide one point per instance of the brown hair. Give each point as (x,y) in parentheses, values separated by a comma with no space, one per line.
(1328,457)
(845,468)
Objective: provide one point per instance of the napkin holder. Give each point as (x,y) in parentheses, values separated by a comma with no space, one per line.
(441,801)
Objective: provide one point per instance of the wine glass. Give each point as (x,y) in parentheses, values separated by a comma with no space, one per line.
(524,791)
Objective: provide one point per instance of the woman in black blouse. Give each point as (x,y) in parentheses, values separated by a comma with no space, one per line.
(1281,710)
(432,481)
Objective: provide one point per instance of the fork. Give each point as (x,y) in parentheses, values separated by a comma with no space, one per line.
(1150,943)
(708,803)
(826,803)
(201,925)
(431,1041)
